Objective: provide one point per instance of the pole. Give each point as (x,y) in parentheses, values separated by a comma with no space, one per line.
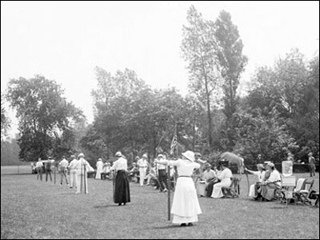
(84,179)
(169,186)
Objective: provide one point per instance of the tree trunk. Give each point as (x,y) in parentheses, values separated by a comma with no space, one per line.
(209,113)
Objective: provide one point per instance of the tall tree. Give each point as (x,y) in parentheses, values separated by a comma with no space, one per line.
(5,121)
(198,47)
(231,62)
(44,115)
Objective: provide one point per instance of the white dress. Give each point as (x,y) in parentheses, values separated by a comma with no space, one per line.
(225,176)
(99,166)
(185,206)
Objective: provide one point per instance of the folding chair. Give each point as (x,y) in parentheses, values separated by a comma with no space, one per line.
(288,184)
(302,190)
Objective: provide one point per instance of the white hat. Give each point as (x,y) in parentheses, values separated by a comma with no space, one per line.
(118,154)
(81,155)
(145,156)
(270,164)
(160,156)
(189,155)
(99,159)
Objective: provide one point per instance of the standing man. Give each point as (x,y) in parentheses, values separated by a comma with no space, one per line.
(121,185)
(143,164)
(64,169)
(312,165)
(48,169)
(162,174)
(39,166)
(82,167)
(73,172)
(99,166)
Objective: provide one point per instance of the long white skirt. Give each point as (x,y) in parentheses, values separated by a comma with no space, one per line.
(185,206)
(98,173)
(251,191)
(217,191)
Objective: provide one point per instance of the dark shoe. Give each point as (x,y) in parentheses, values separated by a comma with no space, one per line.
(183,225)
(119,204)
(124,203)
(190,224)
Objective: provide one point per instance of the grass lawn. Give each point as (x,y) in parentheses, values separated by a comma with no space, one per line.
(35,209)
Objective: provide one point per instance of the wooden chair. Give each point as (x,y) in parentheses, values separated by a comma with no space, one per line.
(303,190)
(233,190)
(288,184)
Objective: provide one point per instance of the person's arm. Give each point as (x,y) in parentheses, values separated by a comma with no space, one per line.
(163,161)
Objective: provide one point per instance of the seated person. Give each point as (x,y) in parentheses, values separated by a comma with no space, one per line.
(134,172)
(211,183)
(269,186)
(253,191)
(224,176)
(207,176)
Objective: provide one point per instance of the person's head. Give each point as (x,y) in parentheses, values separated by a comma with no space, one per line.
(137,158)
(81,155)
(223,163)
(160,157)
(145,156)
(72,156)
(259,156)
(100,159)
(260,167)
(118,154)
(208,166)
(270,166)
(188,155)
(39,159)
(310,154)
(197,155)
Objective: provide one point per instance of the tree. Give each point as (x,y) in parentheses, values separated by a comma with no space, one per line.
(5,121)
(231,64)
(44,116)
(198,47)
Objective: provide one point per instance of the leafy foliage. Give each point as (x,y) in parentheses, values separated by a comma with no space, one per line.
(45,117)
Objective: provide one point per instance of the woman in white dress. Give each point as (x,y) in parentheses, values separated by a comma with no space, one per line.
(253,191)
(99,166)
(185,206)
(224,176)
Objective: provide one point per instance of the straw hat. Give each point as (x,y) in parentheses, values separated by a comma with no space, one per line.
(189,155)
(270,164)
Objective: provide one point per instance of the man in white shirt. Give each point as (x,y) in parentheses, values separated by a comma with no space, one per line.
(73,172)
(39,167)
(143,164)
(207,176)
(64,170)
(162,174)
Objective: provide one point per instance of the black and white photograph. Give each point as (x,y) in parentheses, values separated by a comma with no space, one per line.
(160,120)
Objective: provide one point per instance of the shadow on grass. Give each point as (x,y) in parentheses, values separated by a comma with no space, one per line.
(17,174)
(107,206)
(166,227)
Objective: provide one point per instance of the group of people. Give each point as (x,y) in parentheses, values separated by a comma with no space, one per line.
(74,173)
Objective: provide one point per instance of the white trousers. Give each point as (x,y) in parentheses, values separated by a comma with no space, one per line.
(73,178)
(142,172)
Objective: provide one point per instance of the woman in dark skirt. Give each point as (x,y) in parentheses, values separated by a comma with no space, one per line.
(121,193)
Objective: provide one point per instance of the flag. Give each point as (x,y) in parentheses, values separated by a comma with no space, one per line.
(173,143)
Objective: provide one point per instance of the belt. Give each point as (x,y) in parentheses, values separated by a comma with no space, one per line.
(142,167)
(184,176)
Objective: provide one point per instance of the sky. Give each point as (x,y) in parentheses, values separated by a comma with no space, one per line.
(65,41)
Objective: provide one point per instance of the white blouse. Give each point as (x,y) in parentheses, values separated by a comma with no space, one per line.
(120,164)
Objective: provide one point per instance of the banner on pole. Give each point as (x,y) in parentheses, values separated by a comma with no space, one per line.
(173,143)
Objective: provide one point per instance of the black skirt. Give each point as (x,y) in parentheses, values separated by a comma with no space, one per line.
(121,188)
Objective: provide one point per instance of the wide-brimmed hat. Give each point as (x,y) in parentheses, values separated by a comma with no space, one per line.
(99,159)
(270,164)
(160,156)
(145,156)
(224,162)
(189,155)
(81,155)
(118,154)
